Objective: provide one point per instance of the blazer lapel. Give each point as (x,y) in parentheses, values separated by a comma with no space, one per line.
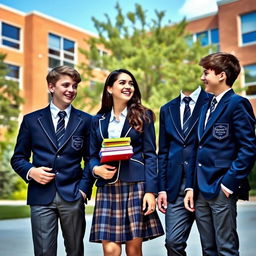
(103,125)
(216,113)
(126,129)
(203,98)
(45,121)
(73,123)
(175,116)
(202,121)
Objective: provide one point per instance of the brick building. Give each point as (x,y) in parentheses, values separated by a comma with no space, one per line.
(34,43)
(233,29)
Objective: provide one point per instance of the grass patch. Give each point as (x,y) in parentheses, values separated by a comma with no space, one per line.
(253,192)
(23,211)
(14,211)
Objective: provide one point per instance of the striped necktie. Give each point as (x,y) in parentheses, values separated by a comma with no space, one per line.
(60,127)
(186,115)
(212,107)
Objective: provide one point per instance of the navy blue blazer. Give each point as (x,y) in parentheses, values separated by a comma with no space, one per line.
(177,154)
(143,164)
(227,145)
(37,136)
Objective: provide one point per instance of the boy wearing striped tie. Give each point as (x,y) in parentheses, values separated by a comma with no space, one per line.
(57,137)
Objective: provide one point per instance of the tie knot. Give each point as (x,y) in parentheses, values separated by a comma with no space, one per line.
(62,114)
(187,100)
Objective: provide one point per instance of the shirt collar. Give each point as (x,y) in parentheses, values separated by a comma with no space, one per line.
(55,110)
(218,98)
(194,95)
(123,114)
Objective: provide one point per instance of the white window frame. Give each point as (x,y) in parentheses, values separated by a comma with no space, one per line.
(18,80)
(20,42)
(62,58)
(241,32)
(209,35)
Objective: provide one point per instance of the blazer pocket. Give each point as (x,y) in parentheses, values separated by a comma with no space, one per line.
(223,163)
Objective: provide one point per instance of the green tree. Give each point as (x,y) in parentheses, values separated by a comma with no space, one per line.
(8,178)
(158,56)
(10,101)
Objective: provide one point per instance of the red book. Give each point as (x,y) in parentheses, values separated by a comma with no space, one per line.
(115,156)
(111,149)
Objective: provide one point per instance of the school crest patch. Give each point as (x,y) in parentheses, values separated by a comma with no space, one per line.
(220,130)
(77,142)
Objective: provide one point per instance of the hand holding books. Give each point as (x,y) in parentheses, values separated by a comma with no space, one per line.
(116,149)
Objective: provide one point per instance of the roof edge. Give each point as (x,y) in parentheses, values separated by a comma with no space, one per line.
(12,10)
(222,2)
(62,22)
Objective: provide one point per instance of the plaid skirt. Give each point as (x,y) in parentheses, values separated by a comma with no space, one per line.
(118,215)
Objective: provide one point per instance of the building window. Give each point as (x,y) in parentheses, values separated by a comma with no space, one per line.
(14,72)
(248,24)
(207,37)
(203,38)
(214,36)
(10,36)
(61,51)
(250,80)
(98,62)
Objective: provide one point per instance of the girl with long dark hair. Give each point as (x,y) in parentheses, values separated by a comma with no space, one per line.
(125,203)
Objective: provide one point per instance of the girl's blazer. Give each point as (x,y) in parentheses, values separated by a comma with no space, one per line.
(143,164)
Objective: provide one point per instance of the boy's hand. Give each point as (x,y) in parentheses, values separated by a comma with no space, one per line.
(189,200)
(162,202)
(41,174)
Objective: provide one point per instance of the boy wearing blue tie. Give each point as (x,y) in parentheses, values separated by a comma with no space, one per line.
(225,156)
(57,137)
(176,157)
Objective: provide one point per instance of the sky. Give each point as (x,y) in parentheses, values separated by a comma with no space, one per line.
(80,12)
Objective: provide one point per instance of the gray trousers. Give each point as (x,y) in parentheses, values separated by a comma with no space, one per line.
(216,222)
(178,223)
(44,221)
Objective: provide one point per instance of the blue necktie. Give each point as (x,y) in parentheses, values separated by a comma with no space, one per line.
(186,115)
(212,107)
(60,127)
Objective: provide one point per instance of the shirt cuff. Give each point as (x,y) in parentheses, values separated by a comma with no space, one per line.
(93,174)
(188,189)
(27,176)
(226,189)
(162,192)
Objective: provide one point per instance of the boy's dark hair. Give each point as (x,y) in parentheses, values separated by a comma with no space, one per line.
(222,62)
(55,74)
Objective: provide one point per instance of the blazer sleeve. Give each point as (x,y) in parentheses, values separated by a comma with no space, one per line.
(243,125)
(150,157)
(20,160)
(95,144)
(87,181)
(162,153)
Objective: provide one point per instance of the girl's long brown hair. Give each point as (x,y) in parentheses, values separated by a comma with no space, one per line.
(137,113)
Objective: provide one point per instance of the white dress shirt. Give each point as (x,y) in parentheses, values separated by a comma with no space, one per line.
(194,96)
(54,112)
(116,125)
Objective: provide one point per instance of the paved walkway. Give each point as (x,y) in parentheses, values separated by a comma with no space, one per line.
(15,236)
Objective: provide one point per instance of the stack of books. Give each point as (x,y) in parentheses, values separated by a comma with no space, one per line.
(116,149)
